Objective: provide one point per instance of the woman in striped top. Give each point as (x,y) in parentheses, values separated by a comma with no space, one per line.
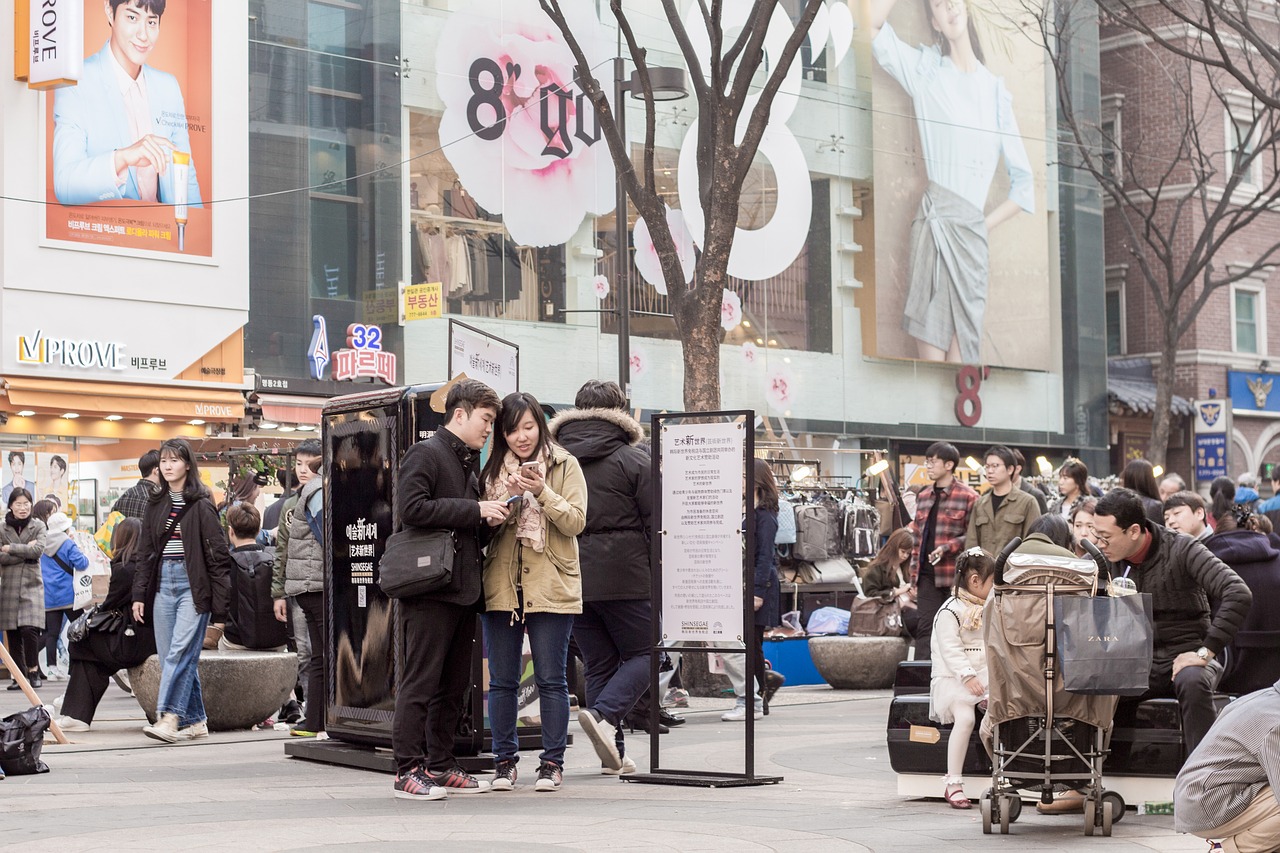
(184,571)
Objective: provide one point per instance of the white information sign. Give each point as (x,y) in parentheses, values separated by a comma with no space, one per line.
(482,356)
(703,479)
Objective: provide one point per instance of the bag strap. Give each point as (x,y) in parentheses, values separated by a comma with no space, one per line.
(64,565)
(168,530)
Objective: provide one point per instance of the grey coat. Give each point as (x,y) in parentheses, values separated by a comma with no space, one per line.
(304,556)
(21,586)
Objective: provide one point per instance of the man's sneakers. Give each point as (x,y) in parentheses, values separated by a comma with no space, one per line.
(592,724)
(550,777)
(165,729)
(459,781)
(504,776)
(628,766)
(676,697)
(417,785)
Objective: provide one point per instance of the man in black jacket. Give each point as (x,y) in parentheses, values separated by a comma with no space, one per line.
(614,630)
(437,488)
(1185,580)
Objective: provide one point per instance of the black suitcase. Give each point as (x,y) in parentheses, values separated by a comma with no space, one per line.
(919,756)
(912,678)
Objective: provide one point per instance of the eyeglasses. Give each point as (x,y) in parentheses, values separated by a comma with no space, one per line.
(993,466)
(1104,540)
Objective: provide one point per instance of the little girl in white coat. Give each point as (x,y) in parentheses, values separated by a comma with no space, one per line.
(959,678)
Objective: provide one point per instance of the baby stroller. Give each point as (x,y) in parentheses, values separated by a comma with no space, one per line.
(1040,737)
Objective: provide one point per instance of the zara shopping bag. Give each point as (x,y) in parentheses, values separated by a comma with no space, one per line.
(1104,644)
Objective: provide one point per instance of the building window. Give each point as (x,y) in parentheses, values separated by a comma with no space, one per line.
(1246,319)
(1242,142)
(1115,307)
(1110,130)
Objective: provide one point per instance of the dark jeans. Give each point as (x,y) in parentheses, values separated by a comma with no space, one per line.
(24,646)
(1193,689)
(312,604)
(929,600)
(435,669)
(549,648)
(53,620)
(615,638)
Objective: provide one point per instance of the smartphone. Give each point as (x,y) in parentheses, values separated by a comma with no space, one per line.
(533,464)
(509,501)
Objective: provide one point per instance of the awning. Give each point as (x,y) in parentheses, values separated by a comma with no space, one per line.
(1131,382)
(291,409)
(119,398)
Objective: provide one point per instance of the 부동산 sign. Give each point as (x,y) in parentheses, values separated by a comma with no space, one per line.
(702,554)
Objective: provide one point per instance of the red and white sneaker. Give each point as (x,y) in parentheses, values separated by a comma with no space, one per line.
(417,785)
(458,781)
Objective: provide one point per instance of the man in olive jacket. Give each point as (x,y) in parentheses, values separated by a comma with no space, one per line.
(1187,584)
(615,629)
(1005,512)
(437,488)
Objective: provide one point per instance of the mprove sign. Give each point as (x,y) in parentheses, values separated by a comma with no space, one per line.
(483,356)
(36,348)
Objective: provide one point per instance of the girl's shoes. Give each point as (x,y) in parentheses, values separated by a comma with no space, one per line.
(954,795)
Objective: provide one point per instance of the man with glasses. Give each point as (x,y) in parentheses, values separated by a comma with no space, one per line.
(1185,581)
(942,513)
(1005,511)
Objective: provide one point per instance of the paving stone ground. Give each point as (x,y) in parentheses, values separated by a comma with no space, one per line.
(113,789)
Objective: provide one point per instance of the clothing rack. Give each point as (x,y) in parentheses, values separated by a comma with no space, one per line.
(474,225)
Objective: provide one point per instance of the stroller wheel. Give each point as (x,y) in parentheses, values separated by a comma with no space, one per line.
(1014,807)
(1107,818)
(1006,810)
(1117,805)
(1090,815)
(985,805)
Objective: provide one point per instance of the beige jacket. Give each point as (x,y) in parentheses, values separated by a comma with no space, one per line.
(551,580)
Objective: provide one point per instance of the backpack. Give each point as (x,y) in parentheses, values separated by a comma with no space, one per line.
(786,523)
(252,621)
(813,532)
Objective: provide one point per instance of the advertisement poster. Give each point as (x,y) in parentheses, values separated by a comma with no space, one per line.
(128,150)
(702,546)
(963,266)
(493,361)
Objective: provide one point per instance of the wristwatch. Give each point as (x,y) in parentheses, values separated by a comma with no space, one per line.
(1204,654)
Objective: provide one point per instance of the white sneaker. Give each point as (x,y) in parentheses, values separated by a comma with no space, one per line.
(57,703)
(165,729)
(194,732)
(628,766)
(600,738)
(70,724)
(739,713)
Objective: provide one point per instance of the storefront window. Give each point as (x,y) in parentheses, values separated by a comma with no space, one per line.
(468,250)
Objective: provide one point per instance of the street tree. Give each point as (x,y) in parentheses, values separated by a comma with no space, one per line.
(1196,207)
(735,92)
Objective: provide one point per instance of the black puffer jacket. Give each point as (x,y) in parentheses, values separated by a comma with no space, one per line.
(205,552)
(1183,578)
(1254,655)
(614,548)
(438,488)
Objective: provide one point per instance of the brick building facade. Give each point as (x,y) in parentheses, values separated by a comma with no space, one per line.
(1237,331)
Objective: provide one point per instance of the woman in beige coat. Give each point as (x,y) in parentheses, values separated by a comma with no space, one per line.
(531,582)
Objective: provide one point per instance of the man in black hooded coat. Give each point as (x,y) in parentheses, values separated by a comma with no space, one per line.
(614,631)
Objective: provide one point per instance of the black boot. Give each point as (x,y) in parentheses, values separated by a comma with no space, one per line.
(772,681)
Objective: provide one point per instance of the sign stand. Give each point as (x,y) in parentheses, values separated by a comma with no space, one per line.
(706,450)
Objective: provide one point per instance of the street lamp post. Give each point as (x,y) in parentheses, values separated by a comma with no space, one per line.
(668,84)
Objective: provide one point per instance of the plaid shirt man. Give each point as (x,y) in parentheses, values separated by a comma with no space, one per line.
(956,502)
(133,503)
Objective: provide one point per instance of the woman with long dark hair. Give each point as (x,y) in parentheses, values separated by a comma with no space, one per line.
(532,583)
(765,682)
(21,586)
(1139,476)
(889,572)
(103,652)
(183,569)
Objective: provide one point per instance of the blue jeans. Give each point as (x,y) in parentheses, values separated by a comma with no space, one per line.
(615,638)
(179,638)
(549,643)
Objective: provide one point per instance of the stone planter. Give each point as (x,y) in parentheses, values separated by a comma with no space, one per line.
(240,689)
(857,663)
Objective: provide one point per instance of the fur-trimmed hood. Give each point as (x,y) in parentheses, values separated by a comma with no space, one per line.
(595,433)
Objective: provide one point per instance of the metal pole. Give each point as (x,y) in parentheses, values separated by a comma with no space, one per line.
(622,280)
